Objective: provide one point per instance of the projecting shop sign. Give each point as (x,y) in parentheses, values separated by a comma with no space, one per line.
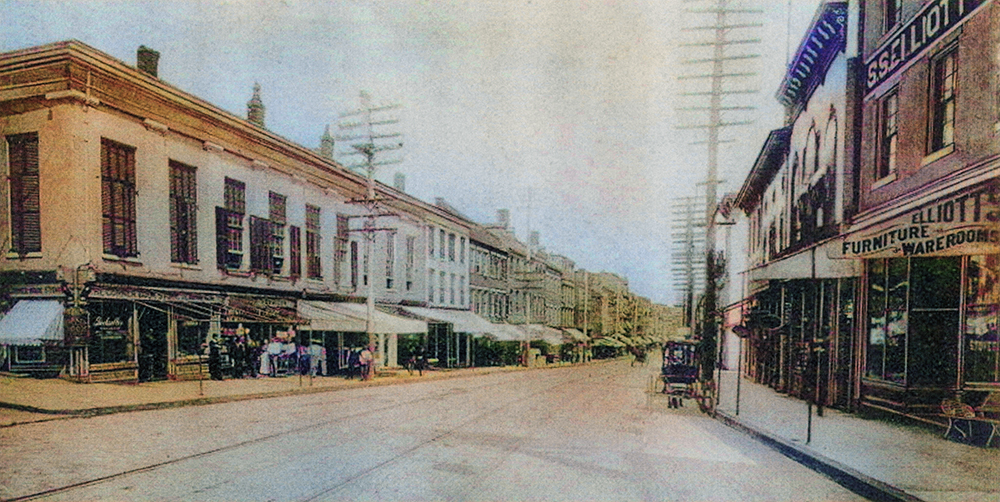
(963,224)
(935,20)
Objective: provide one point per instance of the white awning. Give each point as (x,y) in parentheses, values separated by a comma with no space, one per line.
(542,332)
(352,317)
(462,321)
(508,333)
(575,334)
(31,322)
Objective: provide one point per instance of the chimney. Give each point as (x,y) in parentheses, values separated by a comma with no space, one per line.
(255,107)
(399,182)
(440,202)
(147,60)
(503,218)
(533,239)
(326,144)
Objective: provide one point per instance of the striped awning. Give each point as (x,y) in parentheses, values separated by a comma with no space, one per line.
(32,322)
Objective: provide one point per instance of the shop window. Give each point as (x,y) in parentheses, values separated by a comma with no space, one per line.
(982,318)
(888,135)
(118,199)
(191,336)
(29,354)
(314,267)
(229,226)
(25,205)
(943,100)
(110,341)
(887,319)
(183,214)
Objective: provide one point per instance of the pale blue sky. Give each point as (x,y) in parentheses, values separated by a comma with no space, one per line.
(571,101)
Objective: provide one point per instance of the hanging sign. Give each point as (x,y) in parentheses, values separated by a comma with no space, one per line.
(963,224)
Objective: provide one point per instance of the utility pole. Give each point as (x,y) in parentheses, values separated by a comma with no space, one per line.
(720,22)
(366,140)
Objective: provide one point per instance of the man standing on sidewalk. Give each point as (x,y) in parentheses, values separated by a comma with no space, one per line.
(367,360)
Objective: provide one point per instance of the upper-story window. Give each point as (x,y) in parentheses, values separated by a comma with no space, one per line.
(943,100)
(229,226)
(431,276)
(183,213)
(888,134)
(390,260)
(354,265)
(441,244)
(314,265)
(461,250)
(430,242)
(411,247)
(893,13)
(294,251)
(118,198)
(267,237)
(277,209)
(340,247)
(25,205)
(451,247)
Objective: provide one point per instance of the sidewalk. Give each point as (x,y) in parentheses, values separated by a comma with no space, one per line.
(888,460)
(26,400)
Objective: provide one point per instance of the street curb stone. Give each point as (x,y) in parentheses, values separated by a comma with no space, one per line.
(849,478)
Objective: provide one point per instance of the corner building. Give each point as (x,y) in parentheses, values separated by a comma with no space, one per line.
(926,227)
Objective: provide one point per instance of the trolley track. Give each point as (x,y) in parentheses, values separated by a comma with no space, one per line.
(438,397)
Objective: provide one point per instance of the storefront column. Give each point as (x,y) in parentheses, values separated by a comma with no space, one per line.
(392,354)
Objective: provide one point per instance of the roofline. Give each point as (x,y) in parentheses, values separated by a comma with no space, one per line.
(776,144)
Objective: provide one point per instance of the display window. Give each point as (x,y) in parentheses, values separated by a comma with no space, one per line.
(981,348)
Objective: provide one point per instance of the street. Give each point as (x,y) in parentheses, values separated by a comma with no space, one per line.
(595,432)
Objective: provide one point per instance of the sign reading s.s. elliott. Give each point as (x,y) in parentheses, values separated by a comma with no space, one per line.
(935,20)
(962,224)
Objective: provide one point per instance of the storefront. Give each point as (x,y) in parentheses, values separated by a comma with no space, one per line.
(931,293)
(31,338)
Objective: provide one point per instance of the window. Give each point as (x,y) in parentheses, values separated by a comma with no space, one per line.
(390,260)
(451,247)
(461,251)
(25,205)
(441,242)
(889,134)
(354,265)
(118,199)
(229,226)
(294,251)
(893,13)
(340,247)
(430,285)
(442,279)
(982,325)
(461,290)
(430,242)
(943,100)
(183,214)
(451,290)
(314,267)
(411,247)
(276,208)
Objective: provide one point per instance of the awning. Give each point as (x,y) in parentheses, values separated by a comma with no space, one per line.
(462,321)
(542,332)
(352,317)
(508,333)
(575,334)
(812,263)
(31,322)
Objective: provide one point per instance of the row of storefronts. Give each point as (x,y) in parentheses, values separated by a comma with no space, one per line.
(895,305)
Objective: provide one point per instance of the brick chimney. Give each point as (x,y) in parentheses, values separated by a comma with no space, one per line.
(255,107)
(147,61)
(399,182)
(503,218)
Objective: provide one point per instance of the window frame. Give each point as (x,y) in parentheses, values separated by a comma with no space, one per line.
(24,193)
(229,225)
(942,100)
(183,213)
(887,161)
(118,199)
(314,241)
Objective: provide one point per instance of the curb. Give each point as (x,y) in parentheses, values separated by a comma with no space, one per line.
(849,478)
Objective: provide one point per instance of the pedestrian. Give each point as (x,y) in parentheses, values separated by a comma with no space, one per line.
(367,359)
(214,359)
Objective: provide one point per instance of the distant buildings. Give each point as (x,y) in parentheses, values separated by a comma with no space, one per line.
(143,221)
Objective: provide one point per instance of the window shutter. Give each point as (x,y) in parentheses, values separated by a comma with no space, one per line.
(260,251)
(294,251)
(175,240)
(25,205)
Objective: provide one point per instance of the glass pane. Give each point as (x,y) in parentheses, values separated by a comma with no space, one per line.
(936,283)
(895,346)
(933,348)
(982,349)
(876,318)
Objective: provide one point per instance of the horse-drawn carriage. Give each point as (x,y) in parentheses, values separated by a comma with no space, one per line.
(680,372)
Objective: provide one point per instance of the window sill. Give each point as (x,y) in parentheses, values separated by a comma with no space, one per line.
(186,266)
(884,181)
(27,256)
(235,272)
(132,260)
(944,152)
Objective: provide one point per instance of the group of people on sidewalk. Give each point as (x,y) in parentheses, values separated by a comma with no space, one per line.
(243,357)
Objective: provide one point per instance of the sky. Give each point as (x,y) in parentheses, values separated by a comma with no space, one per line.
(565,112)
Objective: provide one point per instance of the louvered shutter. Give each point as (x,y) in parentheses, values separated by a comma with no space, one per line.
(294,251)
(221,237)
(260,250)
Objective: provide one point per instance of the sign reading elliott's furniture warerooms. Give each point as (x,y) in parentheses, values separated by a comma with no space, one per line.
(966,223)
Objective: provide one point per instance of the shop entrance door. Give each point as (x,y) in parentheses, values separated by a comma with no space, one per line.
(152,345)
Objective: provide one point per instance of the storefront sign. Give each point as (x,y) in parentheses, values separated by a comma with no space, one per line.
(934,21)
(964,224)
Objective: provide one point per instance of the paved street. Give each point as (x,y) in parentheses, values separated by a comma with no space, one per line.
(577,433)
